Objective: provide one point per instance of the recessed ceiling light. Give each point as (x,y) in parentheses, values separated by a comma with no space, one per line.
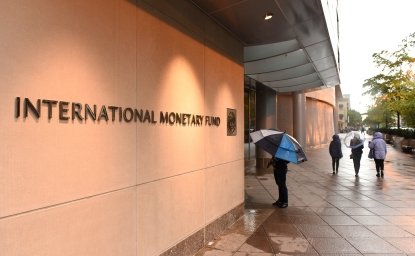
(268,15)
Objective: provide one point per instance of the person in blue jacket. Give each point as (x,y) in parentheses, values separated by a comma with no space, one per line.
(378,145)
(335,150)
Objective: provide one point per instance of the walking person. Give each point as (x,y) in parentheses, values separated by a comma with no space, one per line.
(335,150)
(280,175)
(378,145)
(363,130)
(357,150)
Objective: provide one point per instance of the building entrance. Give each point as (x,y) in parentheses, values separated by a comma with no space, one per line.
(249,118)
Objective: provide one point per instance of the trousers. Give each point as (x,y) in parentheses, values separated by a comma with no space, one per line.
(280,176)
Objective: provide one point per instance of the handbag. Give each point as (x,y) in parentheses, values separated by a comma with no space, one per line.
(370,155)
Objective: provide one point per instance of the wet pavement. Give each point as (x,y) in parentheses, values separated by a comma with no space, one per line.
(327,214)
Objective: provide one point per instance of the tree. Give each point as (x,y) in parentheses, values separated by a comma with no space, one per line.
(379,115)
(355,119)
(395,83)
(408,107)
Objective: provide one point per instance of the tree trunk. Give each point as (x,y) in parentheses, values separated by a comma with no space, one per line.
(398,115)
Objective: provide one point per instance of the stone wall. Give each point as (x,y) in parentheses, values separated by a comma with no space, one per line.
(116,185)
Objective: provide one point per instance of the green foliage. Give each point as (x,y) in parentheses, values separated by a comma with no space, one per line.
(355,119)
(379,115)
(408,106)
(406,133)
(394,85)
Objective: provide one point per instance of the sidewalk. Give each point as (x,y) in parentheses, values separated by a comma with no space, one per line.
(327,214)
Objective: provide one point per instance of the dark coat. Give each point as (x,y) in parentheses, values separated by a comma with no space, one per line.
(358,150)
(279,164)
(335,148)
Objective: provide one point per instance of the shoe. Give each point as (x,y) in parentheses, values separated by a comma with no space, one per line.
(377,175)
(283,205)
(276,203)
(381,174)
(334,172)
(356,175)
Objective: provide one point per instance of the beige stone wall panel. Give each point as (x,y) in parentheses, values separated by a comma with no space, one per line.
(171,80)
(224,188)
(169,210)
(100,225)
(223,90)
(51,52)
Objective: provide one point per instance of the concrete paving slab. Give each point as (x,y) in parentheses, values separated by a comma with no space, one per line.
(328,214)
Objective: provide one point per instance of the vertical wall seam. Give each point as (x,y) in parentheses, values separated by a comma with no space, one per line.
(204,142)
(136,134)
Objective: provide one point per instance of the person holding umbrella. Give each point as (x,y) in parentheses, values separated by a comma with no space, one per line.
(284,149)
(357,150)
(280,176)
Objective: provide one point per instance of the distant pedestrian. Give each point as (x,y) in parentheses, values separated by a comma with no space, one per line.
(357,150)
(335,150)
(378,145)
(363,130)
(280,175)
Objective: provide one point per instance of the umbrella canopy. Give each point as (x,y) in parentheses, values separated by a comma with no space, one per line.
(279,144)
(354,139)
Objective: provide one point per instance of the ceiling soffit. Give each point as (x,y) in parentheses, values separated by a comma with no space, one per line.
(290,52)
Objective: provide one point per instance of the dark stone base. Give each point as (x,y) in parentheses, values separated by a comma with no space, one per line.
(198,240)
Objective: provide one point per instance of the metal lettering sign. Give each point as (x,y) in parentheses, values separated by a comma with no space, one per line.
(83,113)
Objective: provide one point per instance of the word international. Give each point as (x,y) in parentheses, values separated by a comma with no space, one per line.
(65,111)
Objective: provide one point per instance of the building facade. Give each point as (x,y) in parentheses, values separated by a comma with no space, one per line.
(343,106)
(123,126)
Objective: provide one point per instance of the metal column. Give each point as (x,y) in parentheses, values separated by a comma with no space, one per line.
(266,118)
(299,119)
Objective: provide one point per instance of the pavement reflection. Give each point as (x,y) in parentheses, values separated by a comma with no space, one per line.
(328,214)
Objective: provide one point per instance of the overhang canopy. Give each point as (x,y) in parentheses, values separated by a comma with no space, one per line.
(290,52)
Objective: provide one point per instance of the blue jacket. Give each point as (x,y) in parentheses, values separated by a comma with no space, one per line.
(335,148)
(378,145)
